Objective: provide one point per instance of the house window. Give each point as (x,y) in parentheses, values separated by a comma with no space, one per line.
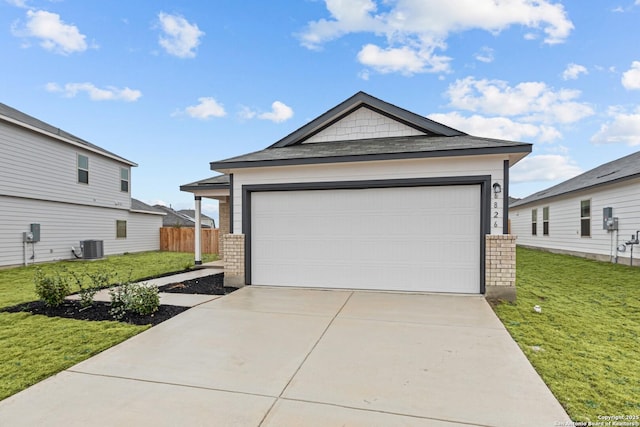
(545,221)
(83,169)
(124,180)
(534,222)
(121,229)
(585,218)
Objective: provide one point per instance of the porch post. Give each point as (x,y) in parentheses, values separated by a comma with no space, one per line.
(198,231)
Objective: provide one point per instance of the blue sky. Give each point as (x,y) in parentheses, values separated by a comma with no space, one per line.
(173,85)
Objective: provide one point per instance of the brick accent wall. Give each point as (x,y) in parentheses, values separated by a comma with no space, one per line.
(223,223)
(500,271)
(233,247)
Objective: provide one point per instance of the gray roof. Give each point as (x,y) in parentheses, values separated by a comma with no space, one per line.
(357,101)
(137,205)
(213,183)
(625,168)
(192,214)
(26,119)
(374,149)
(176,219)
(438,141)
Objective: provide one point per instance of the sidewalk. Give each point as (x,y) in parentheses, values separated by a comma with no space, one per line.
(181,300)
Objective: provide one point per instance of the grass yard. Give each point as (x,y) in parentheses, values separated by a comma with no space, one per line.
(36,347)
(585,344)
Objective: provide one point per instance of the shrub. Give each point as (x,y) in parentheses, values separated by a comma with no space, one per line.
(52,289)
(134,298)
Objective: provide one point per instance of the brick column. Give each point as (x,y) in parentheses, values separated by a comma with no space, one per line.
(223,224)
(500,267)
(233,247)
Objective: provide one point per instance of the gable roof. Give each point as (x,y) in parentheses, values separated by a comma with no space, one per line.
(16,117)
(359,100)
(622,169)
(436,140)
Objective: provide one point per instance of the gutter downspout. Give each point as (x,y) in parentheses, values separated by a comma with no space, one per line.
(198,231)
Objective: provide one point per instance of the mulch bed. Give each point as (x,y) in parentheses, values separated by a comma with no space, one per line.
(208,285)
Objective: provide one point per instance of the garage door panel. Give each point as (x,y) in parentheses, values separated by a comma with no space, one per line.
(411,238)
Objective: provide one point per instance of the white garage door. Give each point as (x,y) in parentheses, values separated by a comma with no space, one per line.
(401,238)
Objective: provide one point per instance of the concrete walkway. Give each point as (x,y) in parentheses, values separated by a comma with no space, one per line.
(291,357)
(181,300)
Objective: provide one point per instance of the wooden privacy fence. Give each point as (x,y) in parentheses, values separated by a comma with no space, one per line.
(182,239)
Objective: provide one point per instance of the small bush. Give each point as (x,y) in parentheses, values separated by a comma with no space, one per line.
(134,298)
(52,289)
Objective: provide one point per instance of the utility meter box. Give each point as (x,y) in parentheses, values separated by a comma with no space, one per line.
(609,222)
(35,231)
(27,237)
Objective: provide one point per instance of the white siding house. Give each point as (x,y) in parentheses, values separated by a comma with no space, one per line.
(369,196)
(570,217)
(72,189)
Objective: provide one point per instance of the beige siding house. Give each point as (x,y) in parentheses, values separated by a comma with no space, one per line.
(370,196)
(70,189)
(571,217)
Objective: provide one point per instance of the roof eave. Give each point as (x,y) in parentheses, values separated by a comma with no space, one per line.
(68,141)
(525,202)
(359,100)
(225,166)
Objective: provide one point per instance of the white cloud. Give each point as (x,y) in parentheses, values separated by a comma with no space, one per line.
(623,128)
(485,55)
(414,29)
(54,34)
(544,167)
(109,93)
(180,38)
(497,127)
(404,60)
(206,109)
(18,3)
(279,113)
(573,71)
(631,77)
(532,101)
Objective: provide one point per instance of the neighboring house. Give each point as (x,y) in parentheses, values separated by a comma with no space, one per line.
(206,220)
(570,217)
(369,196)
(65,190)
(175,218)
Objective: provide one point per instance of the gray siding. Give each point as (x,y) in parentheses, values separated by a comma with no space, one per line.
(37,167)
(64,225)
(39,184)
(564,220)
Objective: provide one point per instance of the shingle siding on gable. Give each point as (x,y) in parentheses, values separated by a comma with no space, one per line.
(564,220)
(363,123)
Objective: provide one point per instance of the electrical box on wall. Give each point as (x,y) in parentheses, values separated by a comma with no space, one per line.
(35,231)
(27,237)
(609,222)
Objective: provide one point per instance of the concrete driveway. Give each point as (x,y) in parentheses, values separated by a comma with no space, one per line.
(292,357)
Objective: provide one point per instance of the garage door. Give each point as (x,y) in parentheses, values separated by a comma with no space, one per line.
(401,238)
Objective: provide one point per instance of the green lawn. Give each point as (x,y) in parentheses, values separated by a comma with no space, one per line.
(588,332)
(33,348)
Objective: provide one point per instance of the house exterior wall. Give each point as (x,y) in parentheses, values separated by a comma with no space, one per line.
(564,221)
(379,170)
(361,124)
(37,167)
(63,225)
(39,176)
